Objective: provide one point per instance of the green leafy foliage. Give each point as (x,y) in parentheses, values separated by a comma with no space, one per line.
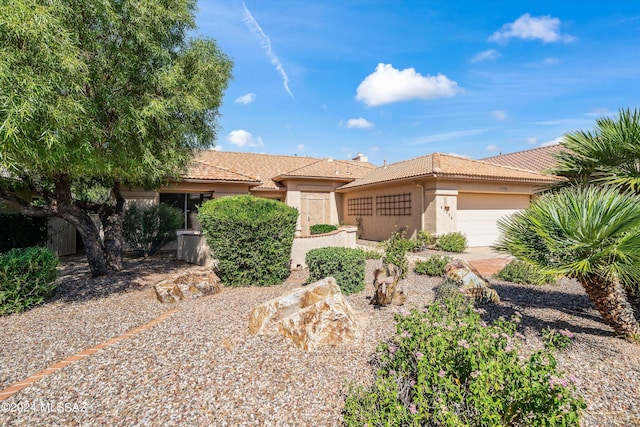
(20,231)
(447,367)
(322,228)
(607,155)
(372,254)
(250,237)
(423,241)
(346,265)
(395,250)
(27,278)
(146,229)
(455,242)
(432,266)
(104,93)
(523,272)
(590,234)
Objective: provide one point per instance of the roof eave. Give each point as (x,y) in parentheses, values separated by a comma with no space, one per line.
(545,181)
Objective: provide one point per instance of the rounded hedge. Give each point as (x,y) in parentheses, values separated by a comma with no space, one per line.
(346,265)
(322,228)
(250,237)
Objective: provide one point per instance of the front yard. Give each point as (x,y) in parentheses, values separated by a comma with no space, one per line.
(202,367)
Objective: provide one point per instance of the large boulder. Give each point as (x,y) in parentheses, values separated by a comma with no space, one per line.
(193,284)
(469,281)
(310,316)
(385,283)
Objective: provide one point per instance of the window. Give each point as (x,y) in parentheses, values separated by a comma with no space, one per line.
(394,205)
(187,203)
(360,206)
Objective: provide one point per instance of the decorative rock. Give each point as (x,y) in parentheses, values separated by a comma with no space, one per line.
(470,282)
(193,284)
(310,316)
(385,282)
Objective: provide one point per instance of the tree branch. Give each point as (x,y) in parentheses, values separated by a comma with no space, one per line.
(22,206)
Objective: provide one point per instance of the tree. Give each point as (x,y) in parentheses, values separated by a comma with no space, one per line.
(101,94)
(609,155)
(588,233)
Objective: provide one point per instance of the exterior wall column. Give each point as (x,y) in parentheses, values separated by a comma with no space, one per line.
(294,199)
(441,212)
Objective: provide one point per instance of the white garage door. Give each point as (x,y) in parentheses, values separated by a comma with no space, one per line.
(478,214)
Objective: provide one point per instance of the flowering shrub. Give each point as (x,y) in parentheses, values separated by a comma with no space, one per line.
(447,367)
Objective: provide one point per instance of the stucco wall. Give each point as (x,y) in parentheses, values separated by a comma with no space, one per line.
(441,204)
(343,237)
(379,227)
(193,248)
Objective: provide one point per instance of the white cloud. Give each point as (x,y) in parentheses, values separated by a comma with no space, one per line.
(555,141)
(499,115)
(359,123)
(446,136)
(265,41)
(550,60)
(246,98)
(300,147)
(487,55)
(242,138)
(528,27)
(532,140)
(374,149)
(492,147)
(387,84)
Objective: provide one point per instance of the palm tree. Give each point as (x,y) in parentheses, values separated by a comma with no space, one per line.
(588,233)
(608,155)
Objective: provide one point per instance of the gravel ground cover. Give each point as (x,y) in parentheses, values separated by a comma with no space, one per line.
(202,367)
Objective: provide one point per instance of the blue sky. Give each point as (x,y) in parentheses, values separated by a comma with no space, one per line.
(400,79)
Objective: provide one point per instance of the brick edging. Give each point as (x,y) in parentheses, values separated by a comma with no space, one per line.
(13,389)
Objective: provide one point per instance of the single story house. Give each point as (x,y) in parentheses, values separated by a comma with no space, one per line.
(438,193)
(306,183)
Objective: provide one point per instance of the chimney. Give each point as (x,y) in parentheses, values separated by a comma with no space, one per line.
(385,163)
(361,158)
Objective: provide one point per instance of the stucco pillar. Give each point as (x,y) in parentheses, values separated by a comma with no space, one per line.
(441,211)
(294,200)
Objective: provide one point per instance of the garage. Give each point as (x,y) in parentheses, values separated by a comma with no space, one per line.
(478,214)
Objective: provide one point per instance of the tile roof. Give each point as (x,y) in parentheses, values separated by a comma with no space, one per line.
(203,171)
(538,159)
(268,169)
(448,166)
(330,169)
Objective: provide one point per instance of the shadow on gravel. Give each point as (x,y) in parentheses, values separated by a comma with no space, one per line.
(572,305)
(76,284)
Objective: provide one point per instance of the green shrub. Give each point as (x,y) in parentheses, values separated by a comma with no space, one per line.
(395,251)
(21,231)
(146,229)
(346,265)
(322,228)
(452,242)
(372,254)
(432,266)
(250,237)
(523,272)
(447,367)
(27,277)
(423,240)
